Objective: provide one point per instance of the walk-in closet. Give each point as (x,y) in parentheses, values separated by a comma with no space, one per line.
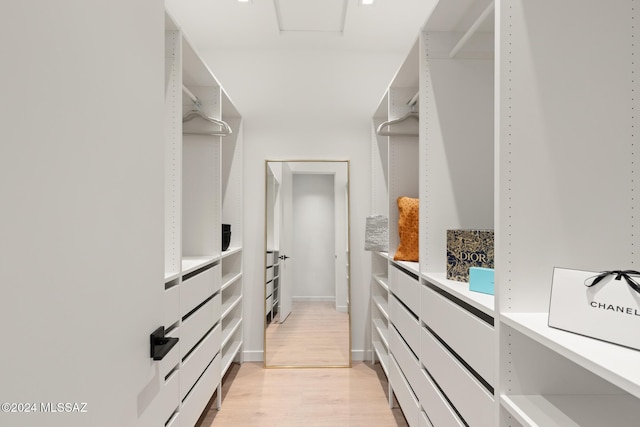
(319,213)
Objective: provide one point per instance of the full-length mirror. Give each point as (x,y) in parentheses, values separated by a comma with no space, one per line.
(307,321)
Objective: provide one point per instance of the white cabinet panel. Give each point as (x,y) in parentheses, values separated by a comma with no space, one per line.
(198,288)
(405,287)
(469,336)
(474,403)
(406,324)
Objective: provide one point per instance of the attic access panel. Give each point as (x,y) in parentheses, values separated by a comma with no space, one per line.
(311,15)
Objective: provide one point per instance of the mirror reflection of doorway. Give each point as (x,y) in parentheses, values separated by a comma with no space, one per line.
(306,294)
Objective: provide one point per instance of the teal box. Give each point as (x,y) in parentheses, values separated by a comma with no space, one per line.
(481,280)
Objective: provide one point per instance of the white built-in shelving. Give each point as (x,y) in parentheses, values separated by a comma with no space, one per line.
(203,184)
(512,130)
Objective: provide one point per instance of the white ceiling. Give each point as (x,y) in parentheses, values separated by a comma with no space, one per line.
(387,26)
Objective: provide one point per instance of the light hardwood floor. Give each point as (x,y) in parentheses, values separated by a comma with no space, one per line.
(304,397)
(314,334)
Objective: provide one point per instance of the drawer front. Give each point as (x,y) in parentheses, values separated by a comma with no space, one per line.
(472,338)
(405,288)
(470,398)
(406,324)
(198,288)
(268,304)
(434,404)
(407,362)
(200,395)
(175,421)
(269,273)
(424,421)
(269,288)
(269,259)
(198,360)
(170,396)
(171,306)
(172,358)
(403,393)
(198,324)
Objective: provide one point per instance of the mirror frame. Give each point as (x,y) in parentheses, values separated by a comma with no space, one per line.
(264,281)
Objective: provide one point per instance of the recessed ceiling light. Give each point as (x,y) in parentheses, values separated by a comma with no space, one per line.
(244,1)
(366,2)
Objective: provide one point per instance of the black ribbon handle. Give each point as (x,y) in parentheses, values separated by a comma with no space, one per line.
(619,275)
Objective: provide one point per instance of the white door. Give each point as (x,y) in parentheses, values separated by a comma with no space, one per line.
(82,189)
(286,259)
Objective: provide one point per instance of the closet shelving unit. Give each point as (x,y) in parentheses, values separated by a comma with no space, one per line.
(512,132)
(203,184)
(556,214)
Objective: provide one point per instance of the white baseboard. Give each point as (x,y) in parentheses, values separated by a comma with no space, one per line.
(342,309)
(360,355)
(253,355)
(315,299)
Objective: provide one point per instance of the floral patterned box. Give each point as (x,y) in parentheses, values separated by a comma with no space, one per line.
(468,248)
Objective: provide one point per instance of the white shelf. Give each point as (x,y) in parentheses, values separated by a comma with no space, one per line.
(227,358)
(482,302)
(573,410)
(192,263)
(229,279)
(381,303)
(231,251)
(382,280)
(230,305)
(383,356)
(384,255)
(613,363)
(228,332)
(383,331)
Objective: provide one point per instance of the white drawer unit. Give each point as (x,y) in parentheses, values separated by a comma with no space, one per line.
(170,396)
(270,258)
(198,324)
(200,394)
(269,274)
(269,289)
(469,335)
(407,400)
(197,361)
(171,359)
(435,404)
(405,286)
(469,397)
(406,323)
(198,286)
(409,364)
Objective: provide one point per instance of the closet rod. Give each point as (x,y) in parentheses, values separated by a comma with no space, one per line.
(191,96)
(414,100)
(472,30)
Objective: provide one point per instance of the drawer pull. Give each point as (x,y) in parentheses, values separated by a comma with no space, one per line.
(160,344)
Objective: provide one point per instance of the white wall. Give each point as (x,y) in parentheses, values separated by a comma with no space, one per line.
(313,237)
(304,104)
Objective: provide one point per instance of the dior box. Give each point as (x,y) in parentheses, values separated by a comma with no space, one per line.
(466,249)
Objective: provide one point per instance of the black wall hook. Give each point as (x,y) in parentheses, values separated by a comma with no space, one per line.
(161,345)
